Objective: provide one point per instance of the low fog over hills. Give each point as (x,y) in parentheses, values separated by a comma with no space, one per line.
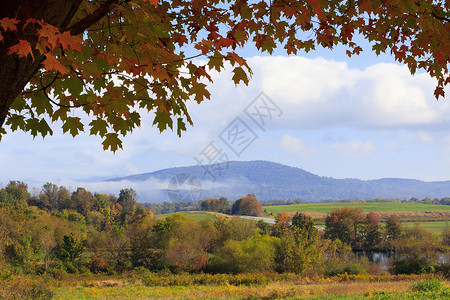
(268,180)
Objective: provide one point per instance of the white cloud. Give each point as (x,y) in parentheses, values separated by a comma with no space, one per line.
(320,93)
(353,148)
(292,144)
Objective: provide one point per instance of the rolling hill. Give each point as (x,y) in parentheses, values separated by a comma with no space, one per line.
(269,180)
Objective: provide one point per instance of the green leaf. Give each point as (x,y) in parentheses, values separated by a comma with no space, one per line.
(16,122)
(98,126)
(181,126)
(2,132)
(74,86)
(73,125)
(239,75)
(200,92)
(162,120)
(36,126)
(112,142)
(60,114)
(216,62)
(41,103)
(19,103)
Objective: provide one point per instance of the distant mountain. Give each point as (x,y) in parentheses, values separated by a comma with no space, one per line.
(269,180)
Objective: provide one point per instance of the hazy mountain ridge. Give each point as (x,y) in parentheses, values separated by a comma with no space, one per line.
(269,180)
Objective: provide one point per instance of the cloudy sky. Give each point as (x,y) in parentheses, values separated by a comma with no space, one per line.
(364,117)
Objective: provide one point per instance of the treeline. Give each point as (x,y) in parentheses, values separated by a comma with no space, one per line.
(427,200)
(56,232)
(247,205)
(173,207)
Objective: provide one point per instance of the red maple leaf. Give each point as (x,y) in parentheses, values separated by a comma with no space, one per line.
(22,49)
(51,63)
(153,2)
(49,33)
(67,40)
(8,24)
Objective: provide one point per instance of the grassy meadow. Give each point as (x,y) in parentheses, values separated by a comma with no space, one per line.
(433,227)
(326,208)
(148,285)
(196,215)
(432,217)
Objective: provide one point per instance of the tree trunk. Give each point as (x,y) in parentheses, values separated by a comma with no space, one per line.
(15,73)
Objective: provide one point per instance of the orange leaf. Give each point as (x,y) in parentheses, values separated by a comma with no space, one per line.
(8,24)
(22,49)
(51,63)
(49,32)
(67,40)
(153,2)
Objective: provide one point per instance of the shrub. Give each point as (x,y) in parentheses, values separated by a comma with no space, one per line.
(412,265)
(26,290)
(431,285)
(443,269)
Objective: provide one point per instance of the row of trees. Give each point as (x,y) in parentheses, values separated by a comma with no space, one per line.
(58,232)
(246,206)
(414,249)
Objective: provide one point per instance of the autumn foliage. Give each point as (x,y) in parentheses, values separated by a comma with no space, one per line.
(247,206)
(111,60)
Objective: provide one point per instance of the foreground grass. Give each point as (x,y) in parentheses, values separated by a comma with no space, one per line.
(341,290)
(293,287)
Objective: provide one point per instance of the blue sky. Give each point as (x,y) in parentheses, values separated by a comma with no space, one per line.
(364,117)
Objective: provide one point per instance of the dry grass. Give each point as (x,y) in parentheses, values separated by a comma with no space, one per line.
(273,290)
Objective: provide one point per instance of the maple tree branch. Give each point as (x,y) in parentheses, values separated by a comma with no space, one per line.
(51,82)
(433,13)
(44,90)
(92,18)
(62,105)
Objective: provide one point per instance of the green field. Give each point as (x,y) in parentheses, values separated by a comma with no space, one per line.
(433,227)
(365,206)
(195,215)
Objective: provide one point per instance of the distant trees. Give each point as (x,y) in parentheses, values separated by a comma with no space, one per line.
(282,224)
(393,227)
(353,227)
(371,231)
(56,230)
(344,224)
(299,247)
(213,204)
(127,200)
(82,201)
(69,251)
(14,195)
(247,206)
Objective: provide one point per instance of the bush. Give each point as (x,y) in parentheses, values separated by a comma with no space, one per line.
(443,269)
(412,265)
(24,290)
(351,269)
(57,273)
(433,285)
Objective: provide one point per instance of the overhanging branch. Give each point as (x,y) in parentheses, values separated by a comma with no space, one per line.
(92,18)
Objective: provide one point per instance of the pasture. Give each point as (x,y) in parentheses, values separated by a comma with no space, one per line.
(365,206)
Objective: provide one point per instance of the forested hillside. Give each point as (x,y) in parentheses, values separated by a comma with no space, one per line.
(268,181)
